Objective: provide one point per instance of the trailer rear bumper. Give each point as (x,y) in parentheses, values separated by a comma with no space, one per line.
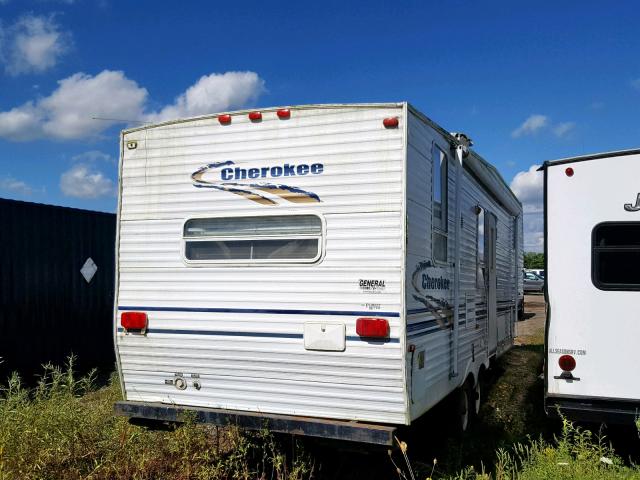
(601,410)
(374,434)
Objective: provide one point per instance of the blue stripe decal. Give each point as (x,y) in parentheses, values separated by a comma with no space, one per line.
(226,333)
(259,310)
(420,325)
(423,325)
(419,310)
(428,332)
(423,310)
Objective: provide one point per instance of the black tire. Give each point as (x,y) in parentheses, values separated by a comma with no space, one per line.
(463,407)
(476,396)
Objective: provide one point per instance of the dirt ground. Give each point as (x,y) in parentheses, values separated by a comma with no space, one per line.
(529,330)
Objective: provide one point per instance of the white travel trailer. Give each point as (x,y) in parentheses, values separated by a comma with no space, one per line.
(331,270)
(592,243)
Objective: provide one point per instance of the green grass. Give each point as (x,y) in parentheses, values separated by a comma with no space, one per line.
(64,428)
(575,454)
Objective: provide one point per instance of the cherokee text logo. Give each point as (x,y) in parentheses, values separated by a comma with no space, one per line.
(227,177)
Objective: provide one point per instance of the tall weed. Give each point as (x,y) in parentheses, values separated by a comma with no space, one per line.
(64,428)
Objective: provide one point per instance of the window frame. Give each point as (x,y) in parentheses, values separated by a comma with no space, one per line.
(595,250)
(254,262)
(440,226)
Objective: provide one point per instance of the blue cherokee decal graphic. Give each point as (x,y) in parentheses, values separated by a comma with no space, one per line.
(227,177)
(431,287)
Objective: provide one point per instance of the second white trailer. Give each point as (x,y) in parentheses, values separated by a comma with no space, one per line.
(592,242)
(334,270)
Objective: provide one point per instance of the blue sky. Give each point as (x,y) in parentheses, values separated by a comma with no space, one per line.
(527,81)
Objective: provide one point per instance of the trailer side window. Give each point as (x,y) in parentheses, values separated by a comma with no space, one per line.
(440,212)
(615,256)
(480,247)
(281,238)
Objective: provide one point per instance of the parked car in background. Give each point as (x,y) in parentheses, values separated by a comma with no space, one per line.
(532,282)
(538,271)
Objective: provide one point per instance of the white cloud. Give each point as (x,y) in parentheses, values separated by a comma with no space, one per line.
(531,125)
(562,129)
(93,156)
(33,44)
(67,113)
(13,185)
(85,181)
(110,95)
(213,93)
(84,106)
(21,123)
(528,187)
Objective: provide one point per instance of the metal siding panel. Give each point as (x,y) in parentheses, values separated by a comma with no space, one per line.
(47,309)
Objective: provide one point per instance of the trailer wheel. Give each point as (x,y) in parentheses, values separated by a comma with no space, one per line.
(463,407)
(476,396)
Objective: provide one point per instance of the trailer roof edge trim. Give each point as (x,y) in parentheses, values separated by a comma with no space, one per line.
(485,172)
(594,156)
(266,109)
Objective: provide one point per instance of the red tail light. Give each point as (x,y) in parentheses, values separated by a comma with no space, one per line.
(224,119)
(391,122)
(134,320)
(567,363)
(569,172)
(255,116)
(372,327)
(284,113)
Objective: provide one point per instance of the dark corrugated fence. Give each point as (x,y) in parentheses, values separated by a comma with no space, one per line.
(47,309)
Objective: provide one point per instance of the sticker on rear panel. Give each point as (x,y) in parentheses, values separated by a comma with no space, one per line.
(372,285)
(265,185)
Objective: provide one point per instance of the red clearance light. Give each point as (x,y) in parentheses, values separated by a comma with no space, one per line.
(284,113)
(134,320)
(255,116)
(224,119)
(567,363)
(372,327)
(569,172)
(391,122)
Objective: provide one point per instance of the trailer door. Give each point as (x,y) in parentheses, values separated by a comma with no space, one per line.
(490,236)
